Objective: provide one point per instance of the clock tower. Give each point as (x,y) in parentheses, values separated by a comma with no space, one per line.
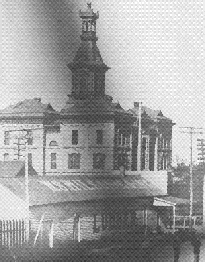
(88,68)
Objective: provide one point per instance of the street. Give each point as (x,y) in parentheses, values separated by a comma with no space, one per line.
(159,254)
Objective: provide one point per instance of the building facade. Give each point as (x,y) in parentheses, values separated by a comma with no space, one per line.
(68,152)
(91,134)
(156,139)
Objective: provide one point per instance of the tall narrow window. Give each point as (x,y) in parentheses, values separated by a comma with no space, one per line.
(90,82)
(74,137)
(53,161)
(6,138)
(99,137)
(29,159)
(74,161)
(83,81)
(6,157)
(98,161)
(76,82)
(30,137)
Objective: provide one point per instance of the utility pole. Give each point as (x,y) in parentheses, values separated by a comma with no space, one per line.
(201,149)
(139,137)
(191,131)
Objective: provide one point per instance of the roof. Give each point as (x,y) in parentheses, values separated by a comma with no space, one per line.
(51,190)
(12,206)
(153,114)
(88,54)
(14,169)
(170,201)
(27,107)
(95,106)
(11,168)
(89,12)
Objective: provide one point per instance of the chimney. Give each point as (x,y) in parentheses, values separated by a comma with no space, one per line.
(38,99)
(136,104)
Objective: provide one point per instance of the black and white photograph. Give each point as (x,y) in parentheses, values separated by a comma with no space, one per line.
(102,131)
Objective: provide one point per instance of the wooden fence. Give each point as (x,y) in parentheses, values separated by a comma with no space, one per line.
(12,233)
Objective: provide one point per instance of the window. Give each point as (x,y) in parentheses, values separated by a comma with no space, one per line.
(53,161)
(6,138)
(74,137)
(29,159)
(98,161)
(74,161)
(30,137)
(84,26)
(90,82)
(6,157)
(99,139)
(53,143)
(89,25)
(76,83)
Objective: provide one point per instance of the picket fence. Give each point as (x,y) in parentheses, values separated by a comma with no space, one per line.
(12,233)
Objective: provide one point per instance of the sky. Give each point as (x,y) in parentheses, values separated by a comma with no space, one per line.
(155,49)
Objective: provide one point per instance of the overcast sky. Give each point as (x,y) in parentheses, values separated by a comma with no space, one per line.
(155,49)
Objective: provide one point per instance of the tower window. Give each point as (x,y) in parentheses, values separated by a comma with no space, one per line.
(99,161)
(74,137)
(76,82)
(99,139)
(89,25)
(74,161)
(6,157)
(6,138)
(53,161)
(90,82)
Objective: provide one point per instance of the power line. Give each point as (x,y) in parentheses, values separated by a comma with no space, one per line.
(191,131)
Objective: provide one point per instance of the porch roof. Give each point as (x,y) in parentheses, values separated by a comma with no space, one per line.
(51,190)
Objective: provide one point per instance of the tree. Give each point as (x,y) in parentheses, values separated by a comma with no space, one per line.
(179,184)
(180,181)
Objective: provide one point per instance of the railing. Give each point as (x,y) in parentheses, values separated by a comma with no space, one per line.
(12,233)
(183,221)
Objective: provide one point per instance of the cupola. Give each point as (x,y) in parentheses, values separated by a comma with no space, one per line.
(88,68)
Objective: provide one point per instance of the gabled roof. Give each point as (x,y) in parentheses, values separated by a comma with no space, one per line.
(27,107)
(153,114)
(12,168)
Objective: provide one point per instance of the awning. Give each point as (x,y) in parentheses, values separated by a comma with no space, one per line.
(170,201)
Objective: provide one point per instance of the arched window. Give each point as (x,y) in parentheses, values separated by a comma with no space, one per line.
(53,143)
(6,138)
(74,161)
(6,157)
(29,137)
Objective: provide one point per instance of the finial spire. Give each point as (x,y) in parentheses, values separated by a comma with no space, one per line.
(89,4)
